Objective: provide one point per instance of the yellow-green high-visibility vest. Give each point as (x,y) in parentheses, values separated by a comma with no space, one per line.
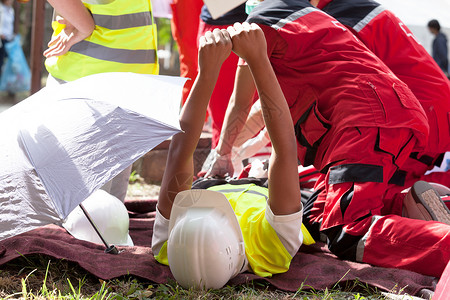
(124,40)
(265,252)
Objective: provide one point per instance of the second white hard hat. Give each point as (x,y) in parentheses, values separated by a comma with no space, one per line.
(109,215)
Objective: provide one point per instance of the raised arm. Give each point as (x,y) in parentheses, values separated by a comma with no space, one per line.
(238,109)
(214,48)
(253,125)
(284,190)
(234,121)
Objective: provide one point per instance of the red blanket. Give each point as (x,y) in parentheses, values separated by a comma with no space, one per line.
(313,266)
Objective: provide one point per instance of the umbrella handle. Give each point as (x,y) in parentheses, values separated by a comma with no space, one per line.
(111,249)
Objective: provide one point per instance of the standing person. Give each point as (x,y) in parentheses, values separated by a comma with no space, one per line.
(440,49)
(184,25)
(211,238)
(357,123)
(223,91)
(6,28)
(389,38)
(95,36)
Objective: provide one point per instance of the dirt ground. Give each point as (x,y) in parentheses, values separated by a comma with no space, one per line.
(138,188)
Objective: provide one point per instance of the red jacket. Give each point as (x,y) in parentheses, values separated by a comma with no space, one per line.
(331,81)
(389,38)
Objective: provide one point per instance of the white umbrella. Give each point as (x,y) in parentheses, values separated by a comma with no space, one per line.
(64,142)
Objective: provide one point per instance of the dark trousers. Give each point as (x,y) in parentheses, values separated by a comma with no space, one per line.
(3,54)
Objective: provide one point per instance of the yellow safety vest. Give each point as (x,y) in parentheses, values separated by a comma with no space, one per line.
(124,40)
(264,251)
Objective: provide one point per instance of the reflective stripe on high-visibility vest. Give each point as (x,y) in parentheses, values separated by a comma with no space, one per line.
(124,40)
(123,21)
(123,56)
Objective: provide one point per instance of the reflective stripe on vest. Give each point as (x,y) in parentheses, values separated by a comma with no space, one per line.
(123,21)
(236,190)
(361,24)
(123,56)
(98,1)
(294,16)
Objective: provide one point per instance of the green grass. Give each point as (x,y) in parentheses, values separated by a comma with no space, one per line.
(42,277)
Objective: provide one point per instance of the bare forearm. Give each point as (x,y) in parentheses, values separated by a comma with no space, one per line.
(193,113)
(76,13)
(253,125)
(274,107)
(177,175)
(180,166)
(284,190)
(237,111)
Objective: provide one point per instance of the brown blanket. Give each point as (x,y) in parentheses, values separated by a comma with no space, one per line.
(313,266)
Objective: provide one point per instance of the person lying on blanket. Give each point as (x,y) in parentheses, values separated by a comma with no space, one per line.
(209,236)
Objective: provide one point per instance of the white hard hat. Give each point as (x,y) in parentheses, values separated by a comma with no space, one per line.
(205,248)
(108,213)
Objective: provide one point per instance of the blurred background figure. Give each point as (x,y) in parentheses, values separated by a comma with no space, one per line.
(184,25)
(6,28)
(440,49)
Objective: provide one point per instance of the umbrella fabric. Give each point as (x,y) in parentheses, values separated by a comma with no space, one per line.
(64,142)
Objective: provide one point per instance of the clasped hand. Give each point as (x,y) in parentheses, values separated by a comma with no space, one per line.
(246,40)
